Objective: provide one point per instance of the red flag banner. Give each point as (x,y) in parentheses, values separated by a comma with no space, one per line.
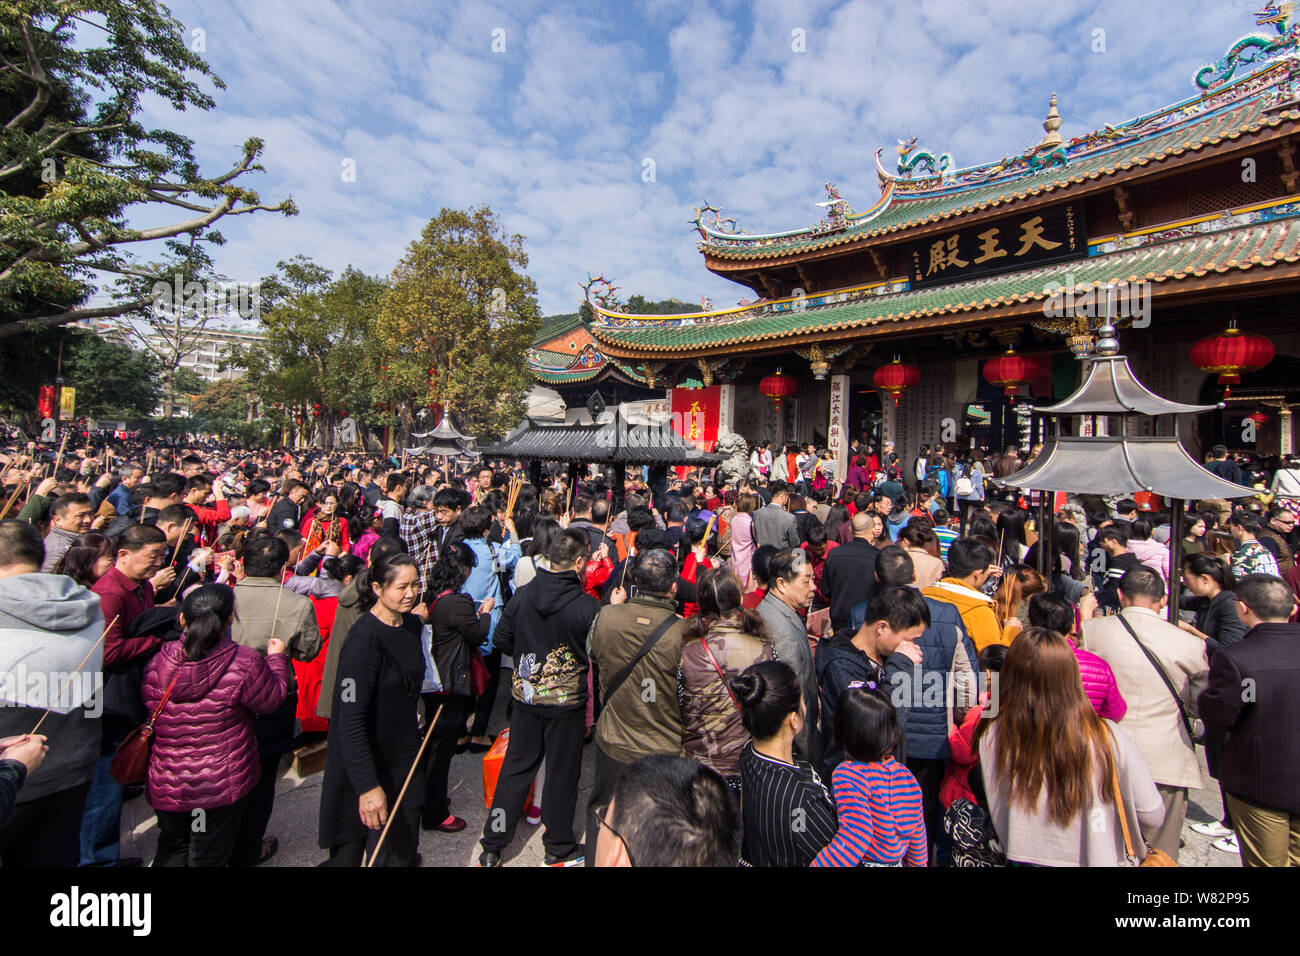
(46,401)
(695,415)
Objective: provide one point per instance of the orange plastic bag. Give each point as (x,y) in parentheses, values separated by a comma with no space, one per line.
(492,761)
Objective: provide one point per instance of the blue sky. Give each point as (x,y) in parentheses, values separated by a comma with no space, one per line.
(554,132)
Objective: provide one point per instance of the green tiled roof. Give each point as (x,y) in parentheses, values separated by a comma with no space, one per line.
(905,211)
(556,325)
(549,376)
(1263,244)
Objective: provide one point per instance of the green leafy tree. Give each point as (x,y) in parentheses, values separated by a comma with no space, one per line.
(455,322)
(226,407)
(77,164)
(112,380)
(317,332)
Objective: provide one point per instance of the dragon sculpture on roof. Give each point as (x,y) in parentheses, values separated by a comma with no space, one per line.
(1256,47)
(924,159)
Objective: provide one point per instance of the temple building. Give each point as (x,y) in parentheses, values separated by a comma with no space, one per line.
(960,298)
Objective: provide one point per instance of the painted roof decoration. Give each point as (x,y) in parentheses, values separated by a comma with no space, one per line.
(926,188)
(1254,47)
(1254,87)
(1235,242)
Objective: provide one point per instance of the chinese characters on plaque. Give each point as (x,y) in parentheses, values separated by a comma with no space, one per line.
(1048,235)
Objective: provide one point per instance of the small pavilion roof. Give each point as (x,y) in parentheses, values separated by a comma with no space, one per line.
(614,442)
(1111,388)
(1122,466)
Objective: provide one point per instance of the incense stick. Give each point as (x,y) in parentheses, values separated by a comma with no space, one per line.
(71,676)
(392,811)
(10,503)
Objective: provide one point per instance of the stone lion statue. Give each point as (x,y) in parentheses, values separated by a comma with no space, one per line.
(736,449)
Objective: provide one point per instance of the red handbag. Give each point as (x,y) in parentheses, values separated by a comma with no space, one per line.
(130,763)
(479,675)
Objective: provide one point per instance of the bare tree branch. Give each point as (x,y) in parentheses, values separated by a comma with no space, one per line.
(75,315)
(38,77)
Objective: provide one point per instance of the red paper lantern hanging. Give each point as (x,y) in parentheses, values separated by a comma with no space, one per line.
(778,387)
(1232,354)
(315,411)
(1259,418)
(896,377)
(1009,372)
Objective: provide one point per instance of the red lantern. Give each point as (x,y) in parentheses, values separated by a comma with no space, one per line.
(1009,372)
(1232,354)
(896,377)
(1259,418)
(315,410)
(778,387)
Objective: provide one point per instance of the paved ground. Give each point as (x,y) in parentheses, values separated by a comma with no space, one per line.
(297,808)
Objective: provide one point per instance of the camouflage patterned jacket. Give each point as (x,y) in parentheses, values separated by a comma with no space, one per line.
(711,729)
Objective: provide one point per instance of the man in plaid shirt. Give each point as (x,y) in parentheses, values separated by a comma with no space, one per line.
(431,524)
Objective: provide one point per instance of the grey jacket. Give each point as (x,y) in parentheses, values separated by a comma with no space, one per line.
(48,625)
(348,613)
(775,526)
(263,607)
(57,542)
(789,635)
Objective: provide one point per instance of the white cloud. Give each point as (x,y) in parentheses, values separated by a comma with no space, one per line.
(552,133)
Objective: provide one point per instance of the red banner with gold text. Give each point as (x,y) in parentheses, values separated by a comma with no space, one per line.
(696,412)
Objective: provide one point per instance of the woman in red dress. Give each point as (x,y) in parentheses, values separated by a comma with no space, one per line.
(695,536)
(322,523)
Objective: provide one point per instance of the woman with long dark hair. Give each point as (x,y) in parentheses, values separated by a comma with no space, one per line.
(483,582)
(458,628)
(374,733)
(1210,584)
(1050,796)
(778,788)
(88,560)
(204,755)
(720,642)
(693,557)
(324,522)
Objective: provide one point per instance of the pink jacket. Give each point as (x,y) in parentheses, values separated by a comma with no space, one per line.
(204,749)
(1099,684)
(1154,555)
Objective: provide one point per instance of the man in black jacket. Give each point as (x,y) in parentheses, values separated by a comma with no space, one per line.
(882,648)
(545,628)
(1252,697)
(848,577)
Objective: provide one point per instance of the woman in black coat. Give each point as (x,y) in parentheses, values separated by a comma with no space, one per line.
(458,630)
(1210,584)
(374,731)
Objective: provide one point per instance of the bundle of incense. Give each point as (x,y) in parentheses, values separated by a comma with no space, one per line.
(10,503)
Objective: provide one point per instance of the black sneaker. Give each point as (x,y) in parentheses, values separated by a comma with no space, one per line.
(574,857)
(489,858)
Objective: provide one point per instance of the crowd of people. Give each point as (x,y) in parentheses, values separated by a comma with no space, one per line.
(782,670)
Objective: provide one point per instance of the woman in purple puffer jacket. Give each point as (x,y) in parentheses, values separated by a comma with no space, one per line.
(205,760)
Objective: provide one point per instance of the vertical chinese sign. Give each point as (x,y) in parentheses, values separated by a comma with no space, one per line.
(45,404)
(67,403)
(695,415)
(835,427)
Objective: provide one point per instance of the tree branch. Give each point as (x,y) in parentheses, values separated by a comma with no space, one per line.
(75,315)
(42,96)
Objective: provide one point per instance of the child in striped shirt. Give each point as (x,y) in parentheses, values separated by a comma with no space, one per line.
(877,799)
